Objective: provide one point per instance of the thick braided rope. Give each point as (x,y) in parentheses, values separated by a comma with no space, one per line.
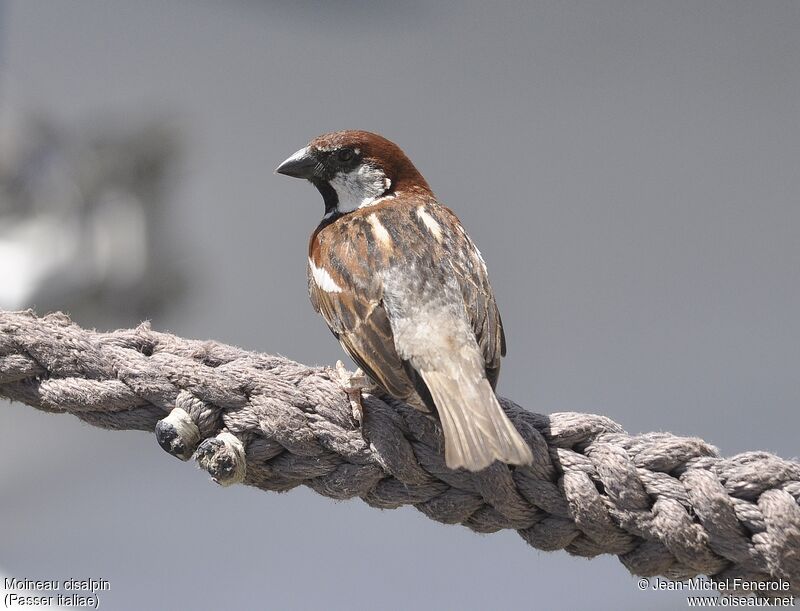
(665,505)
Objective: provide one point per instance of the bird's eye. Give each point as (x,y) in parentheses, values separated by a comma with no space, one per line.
(345,155)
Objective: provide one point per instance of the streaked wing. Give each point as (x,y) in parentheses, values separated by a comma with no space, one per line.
(482,312)
(358,320)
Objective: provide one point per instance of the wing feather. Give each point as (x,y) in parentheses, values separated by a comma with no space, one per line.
(357,318)
(482,311)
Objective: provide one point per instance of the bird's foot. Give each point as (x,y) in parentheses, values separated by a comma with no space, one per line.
(353,384)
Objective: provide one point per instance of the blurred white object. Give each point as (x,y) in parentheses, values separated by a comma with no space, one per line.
(30,251)
(79,213)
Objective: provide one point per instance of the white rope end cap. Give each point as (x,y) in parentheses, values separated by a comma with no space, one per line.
(223,457)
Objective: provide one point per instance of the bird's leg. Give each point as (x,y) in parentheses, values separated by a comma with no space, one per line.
(353,384)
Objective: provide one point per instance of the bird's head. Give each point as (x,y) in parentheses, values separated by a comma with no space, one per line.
(353,169)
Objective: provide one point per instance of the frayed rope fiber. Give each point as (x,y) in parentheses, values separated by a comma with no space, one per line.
(666,505)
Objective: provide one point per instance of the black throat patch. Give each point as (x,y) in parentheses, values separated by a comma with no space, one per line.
(329,195)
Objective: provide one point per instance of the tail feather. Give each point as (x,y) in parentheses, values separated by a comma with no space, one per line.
(476,429)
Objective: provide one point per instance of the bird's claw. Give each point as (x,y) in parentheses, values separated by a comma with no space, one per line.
(353,384)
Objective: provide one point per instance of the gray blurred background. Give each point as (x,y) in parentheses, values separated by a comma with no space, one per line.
(630,171)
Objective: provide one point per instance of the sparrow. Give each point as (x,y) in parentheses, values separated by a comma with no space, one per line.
(406,292)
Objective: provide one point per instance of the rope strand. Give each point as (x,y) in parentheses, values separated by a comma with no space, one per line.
(666,505)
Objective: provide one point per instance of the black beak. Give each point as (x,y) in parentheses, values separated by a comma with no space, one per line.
(299,165)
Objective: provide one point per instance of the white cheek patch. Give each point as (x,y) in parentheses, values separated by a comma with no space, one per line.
(430,223)
(323,279)
(359,188)
(380,231)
